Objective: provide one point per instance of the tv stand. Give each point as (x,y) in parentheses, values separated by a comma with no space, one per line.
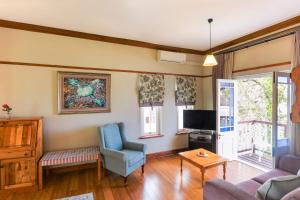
(202,139)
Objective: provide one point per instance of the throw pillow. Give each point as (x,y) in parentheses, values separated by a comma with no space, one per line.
(276,188)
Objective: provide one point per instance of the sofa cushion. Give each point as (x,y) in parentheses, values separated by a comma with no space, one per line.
(112,137)
(289,163)
(218,189)
(276,188)
(249,186)
(132,157)
(271,174)
(293,195)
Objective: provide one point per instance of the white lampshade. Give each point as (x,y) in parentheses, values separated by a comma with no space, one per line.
(210,61)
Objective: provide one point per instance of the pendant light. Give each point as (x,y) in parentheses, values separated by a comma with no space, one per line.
(210,59)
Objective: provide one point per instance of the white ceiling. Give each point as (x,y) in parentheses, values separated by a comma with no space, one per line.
(179,23)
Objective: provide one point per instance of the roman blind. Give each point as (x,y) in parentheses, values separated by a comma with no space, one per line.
(185,93)
(151,90)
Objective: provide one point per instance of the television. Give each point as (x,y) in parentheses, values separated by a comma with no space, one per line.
(199,119)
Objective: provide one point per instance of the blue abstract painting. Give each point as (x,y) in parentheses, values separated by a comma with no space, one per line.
(83,92)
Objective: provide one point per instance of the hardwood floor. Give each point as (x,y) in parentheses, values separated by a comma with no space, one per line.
(162,180)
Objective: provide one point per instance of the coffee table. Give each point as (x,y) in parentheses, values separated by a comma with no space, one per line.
(204,163)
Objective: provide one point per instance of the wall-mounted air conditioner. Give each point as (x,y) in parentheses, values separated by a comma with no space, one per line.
(167,56)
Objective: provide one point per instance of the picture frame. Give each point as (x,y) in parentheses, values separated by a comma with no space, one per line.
(83,92)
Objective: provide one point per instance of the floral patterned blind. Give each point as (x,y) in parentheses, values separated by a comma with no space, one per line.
(151,90)
(185,93)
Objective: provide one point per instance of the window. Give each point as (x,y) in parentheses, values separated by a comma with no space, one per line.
(150,118)
(180,110)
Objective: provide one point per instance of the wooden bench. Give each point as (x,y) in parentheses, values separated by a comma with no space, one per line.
(67,157)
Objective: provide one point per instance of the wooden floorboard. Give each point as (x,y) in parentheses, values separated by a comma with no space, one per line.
(162,180)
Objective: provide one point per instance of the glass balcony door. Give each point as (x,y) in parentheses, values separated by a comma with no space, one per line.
(227,118)
(281,114)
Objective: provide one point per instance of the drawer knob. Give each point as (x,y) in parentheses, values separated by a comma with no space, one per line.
(25,154)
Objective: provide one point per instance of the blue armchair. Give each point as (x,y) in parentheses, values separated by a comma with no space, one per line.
(119,155)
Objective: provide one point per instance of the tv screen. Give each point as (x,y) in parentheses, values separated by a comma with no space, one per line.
(199,119)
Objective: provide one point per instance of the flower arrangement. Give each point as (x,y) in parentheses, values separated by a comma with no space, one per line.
(6,108)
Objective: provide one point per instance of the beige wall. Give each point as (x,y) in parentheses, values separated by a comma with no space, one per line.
(32,91)
(276,51)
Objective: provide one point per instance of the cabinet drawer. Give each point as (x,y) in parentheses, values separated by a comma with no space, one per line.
(15,134)
(14,154)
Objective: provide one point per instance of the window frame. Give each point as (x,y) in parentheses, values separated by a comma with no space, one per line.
(157,133)
(186,107)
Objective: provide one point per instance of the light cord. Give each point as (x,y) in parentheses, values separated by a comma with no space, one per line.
(209,35)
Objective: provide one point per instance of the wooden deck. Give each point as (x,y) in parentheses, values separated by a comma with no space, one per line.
(162,180)
(254,159)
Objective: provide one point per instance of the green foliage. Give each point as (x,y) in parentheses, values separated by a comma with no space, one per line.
(255,100)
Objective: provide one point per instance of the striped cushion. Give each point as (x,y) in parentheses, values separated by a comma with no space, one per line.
(70,156)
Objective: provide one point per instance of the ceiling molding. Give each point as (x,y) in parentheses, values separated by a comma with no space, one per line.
(3,62)
(90,36)
(268,30)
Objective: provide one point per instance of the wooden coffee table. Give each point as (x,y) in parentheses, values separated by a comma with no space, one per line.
(203,163)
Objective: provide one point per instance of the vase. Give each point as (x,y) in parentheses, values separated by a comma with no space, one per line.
(8,115)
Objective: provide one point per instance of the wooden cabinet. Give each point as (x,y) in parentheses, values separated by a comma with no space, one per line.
(20,150)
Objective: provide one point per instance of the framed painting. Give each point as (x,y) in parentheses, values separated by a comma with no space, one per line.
(83,93)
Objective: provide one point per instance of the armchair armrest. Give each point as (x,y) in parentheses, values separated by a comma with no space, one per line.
(113,153)
(220,189)
(135,146)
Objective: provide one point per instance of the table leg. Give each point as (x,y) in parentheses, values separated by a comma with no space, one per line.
(180,165)
(224,170)
(202,173)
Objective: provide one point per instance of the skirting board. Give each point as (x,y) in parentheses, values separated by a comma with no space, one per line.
(165,153)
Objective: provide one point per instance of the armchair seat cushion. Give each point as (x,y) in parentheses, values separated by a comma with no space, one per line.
(133,157)
(271,174)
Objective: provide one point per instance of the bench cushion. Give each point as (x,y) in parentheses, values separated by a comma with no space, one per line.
(70,156)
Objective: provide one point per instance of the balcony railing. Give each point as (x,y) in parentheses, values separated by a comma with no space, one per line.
(256,135)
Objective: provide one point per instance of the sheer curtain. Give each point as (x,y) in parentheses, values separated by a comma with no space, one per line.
(217,73)
(295,129)
(228,65)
